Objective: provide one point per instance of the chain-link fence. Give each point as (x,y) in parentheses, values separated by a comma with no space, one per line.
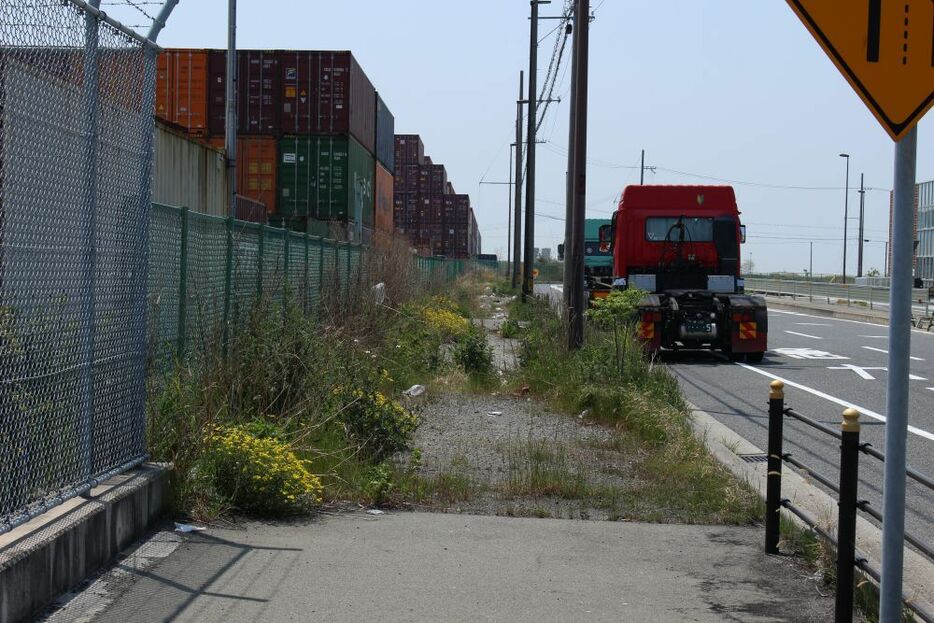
(75,163)
(207,273)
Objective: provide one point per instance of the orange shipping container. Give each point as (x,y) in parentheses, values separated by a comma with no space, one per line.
(182,89)
(384,200)
(256,169)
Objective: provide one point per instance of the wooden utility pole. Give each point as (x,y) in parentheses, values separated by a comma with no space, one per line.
(580,60)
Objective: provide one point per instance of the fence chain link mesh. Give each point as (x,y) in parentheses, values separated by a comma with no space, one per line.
(75,163)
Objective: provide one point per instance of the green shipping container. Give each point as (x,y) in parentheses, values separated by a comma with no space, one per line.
(329,178)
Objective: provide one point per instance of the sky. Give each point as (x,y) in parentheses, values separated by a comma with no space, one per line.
(730,89)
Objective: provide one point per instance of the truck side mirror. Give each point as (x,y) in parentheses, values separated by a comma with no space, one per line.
(606,238)
(742,234)
(560,252)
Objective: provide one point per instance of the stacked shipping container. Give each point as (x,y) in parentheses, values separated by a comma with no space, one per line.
(435,219)
(314,140)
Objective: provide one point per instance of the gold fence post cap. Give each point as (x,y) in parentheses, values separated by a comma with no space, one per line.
(776,389)
(850,422)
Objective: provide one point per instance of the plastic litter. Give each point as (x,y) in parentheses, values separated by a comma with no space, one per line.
(414,391)
(495,413)
(185,528)
(379,293)
(375,511)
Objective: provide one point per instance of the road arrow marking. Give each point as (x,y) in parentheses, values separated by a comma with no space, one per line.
(843,403)
(806,353)
(885,352)
(813,337)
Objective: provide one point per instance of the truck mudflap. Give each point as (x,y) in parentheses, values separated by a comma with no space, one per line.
(649,323)
(748,320)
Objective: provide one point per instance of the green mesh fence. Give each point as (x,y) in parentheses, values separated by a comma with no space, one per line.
(207,272)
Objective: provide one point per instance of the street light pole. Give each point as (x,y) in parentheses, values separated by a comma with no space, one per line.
(846,210)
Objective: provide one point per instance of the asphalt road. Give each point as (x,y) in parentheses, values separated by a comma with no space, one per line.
(832,364)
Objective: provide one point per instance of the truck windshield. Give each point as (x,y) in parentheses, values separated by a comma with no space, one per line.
(696,229)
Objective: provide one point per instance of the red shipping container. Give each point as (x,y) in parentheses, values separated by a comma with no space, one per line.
(327,93)
(384,200)
(409,149)
(258,79)
(256,169)
(182,89)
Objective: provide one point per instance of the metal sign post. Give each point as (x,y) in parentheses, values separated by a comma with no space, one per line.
(896,428)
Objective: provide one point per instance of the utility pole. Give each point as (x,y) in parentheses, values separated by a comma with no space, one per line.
(529,260)
(862,218)
(579,148)
(846,214)
(509,217)
(642,170)
(569,195)
(230,143)
(517,221)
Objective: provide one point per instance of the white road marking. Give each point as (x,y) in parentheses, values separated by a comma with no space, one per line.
(843,403)
(812,324)
(868,324)
(813,337)
(858,370)
(875,337)
(885,352)
(806,353)
(931,388)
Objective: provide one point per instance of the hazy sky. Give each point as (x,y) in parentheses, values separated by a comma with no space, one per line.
(733,89)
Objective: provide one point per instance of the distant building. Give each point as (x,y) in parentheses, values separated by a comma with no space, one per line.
(545,254)
(923,253)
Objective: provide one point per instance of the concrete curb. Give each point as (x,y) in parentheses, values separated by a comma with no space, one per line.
(58,550)
(728,447)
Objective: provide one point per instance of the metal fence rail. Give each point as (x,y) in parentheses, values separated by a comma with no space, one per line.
(836,293)
(75,164)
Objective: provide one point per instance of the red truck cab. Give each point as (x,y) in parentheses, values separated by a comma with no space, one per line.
(681,244)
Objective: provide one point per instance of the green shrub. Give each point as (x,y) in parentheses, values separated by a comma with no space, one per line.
(379,425)
(257,475)
(509,328)
(377,483)
(618,308)
(473,352)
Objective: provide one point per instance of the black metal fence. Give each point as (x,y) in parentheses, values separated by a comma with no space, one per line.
(849,558)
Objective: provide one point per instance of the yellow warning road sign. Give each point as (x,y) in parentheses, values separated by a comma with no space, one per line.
(884,48)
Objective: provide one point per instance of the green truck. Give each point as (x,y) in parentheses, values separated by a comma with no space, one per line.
(597,264)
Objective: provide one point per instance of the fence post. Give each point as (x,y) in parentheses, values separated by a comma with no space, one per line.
(847,294)
(183,287)
(286,251)
(846,519)
(811,290)
(259,261)
(306,290)
(228,283)
(320,297)
(773,498)
(794,290)
(870,298)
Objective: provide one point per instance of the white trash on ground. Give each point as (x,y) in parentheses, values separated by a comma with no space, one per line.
(185,528)
(414,391)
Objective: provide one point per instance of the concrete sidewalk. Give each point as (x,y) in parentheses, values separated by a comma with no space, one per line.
(437,567)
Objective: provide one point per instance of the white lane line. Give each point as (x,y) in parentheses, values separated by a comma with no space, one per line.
(931,388)
(813,337)
(868,324)
(885,352)
(875,337)
(835,400)
(812,324)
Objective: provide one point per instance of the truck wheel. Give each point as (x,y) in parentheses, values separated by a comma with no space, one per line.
(755,357)
(736,356)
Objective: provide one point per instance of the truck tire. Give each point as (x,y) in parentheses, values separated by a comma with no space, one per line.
(755,357)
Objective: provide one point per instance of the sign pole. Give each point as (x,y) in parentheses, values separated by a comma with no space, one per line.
(896,427)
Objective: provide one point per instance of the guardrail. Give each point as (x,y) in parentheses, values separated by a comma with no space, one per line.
(849,557)
(872,296)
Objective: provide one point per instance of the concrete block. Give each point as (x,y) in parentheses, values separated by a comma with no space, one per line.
(58,550)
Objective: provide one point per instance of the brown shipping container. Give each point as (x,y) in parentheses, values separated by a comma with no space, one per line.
(217,92)
(384,200)
(258,77)
(327,93)
(256,169)
(439,179)
(182,89)
(409,149)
